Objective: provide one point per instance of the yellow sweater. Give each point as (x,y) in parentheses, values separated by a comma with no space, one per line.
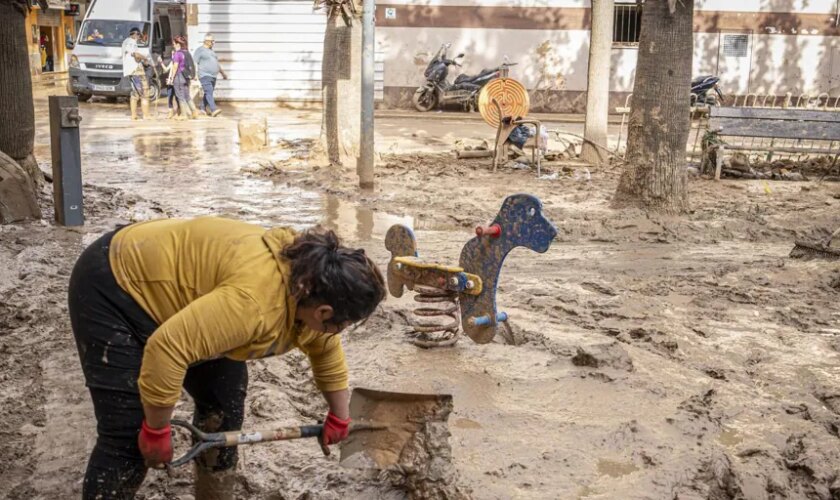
(216,287)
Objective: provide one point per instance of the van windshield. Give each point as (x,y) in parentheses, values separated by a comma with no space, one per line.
(112,33)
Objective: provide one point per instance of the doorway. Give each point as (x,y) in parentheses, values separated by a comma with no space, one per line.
(47,48)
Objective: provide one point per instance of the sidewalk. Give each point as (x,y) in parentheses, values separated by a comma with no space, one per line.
(465,116)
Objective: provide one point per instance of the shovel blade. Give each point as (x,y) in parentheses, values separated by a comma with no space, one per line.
(395,418)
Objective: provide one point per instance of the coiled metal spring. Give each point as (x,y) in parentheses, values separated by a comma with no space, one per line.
(435,326)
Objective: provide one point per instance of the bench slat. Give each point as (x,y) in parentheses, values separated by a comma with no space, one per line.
(809,115)
(780,129)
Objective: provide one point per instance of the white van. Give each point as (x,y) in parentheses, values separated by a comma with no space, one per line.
(96,61)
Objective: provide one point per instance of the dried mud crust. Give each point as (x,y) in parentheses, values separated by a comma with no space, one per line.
(36,259)
(707,357)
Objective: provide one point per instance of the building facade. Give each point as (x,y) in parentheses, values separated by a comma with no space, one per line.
(47,32)
(766,47)
(273,49)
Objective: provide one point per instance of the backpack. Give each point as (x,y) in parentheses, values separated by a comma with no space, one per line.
(189,66)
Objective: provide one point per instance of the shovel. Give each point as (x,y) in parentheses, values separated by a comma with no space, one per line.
(383,423)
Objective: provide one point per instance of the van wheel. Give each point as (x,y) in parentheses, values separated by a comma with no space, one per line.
(84,97)
(154,92)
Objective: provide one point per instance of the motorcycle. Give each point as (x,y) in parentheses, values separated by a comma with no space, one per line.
(705,91)
(464,90)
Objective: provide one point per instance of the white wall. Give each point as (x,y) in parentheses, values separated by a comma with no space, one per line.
(797,64)
(548,59)
(799,6)
(494,3)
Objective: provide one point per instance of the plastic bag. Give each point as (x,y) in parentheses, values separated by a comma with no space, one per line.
(520,135)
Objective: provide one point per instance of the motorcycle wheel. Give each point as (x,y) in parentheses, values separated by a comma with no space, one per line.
(424,99)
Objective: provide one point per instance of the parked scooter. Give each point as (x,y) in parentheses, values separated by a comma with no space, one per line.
(464,90)
(705,91)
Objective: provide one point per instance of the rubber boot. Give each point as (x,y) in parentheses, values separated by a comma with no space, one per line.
(144,105)
(132,103)
(210,485)
(171,114)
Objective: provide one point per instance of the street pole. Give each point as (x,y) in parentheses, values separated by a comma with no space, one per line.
(598,82)
(364,167)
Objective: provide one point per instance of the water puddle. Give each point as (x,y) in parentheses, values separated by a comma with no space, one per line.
(729,437)
(196,172)
(466,423)
(359,223)
(614,468)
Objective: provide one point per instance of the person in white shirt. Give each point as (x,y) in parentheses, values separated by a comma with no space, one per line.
(134,70)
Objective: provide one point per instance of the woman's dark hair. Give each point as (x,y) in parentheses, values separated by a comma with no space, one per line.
(182,41)
(325,272)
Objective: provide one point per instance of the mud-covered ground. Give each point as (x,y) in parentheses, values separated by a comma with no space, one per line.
(656,357)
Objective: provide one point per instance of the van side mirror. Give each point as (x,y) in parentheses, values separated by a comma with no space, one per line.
(69,44)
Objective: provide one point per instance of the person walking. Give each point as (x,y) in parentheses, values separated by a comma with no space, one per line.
(168,304)
(208,71)
(181,73)
(133,68)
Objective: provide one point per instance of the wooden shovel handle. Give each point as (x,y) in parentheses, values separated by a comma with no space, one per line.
(208,440)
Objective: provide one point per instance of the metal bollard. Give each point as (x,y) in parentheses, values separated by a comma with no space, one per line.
(66,160)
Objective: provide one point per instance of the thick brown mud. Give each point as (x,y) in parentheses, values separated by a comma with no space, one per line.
(654,356)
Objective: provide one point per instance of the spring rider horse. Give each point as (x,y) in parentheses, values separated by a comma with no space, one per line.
(467,290)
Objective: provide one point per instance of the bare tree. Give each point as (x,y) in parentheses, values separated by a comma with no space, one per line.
(655,176)
(341,82)
(19,174)
(598,83)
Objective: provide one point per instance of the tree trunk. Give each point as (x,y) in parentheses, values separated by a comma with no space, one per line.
(598,86)
(341,90)
(18,182)
(655,176)
(17,199)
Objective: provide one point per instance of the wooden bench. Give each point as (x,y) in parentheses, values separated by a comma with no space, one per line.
(775,124)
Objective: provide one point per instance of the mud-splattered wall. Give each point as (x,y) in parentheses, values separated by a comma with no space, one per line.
(755,46)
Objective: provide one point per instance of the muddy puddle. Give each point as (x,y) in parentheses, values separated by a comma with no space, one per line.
(655,357)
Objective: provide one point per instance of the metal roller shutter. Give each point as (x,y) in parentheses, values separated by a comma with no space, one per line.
(271,49)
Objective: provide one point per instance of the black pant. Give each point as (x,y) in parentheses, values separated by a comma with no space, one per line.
(111,330)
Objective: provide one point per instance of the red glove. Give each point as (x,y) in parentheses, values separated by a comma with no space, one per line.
(335,429)
(155,444)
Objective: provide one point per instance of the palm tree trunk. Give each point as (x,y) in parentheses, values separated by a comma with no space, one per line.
(655,177)
(341,90)
(20,178)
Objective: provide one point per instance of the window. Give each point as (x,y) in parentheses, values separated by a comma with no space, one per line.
(165,32)
(627,24)
(112,33)
(736,45)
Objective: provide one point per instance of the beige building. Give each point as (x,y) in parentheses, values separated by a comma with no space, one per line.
(755,46)
(46,34)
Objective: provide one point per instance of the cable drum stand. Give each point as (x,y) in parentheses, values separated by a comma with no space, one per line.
(504,105)
(467,292)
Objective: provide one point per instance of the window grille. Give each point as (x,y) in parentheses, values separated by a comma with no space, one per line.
(627,24)
(736,45)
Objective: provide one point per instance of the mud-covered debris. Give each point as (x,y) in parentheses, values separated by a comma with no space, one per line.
(253,133)
(610,355)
